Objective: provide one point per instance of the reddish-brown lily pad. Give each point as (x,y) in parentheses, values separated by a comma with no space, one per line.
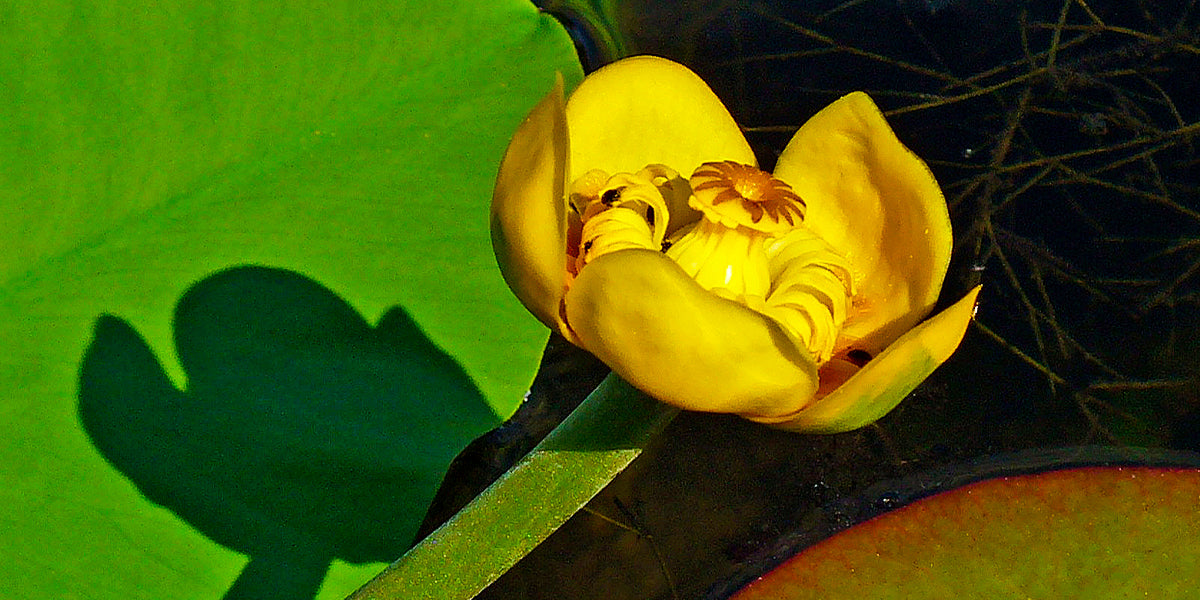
(1093,532)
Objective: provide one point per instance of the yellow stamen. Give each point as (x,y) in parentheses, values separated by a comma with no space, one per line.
(617,212)
(723,260)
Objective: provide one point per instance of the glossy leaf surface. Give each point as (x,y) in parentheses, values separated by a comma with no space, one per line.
(351,149)
(1115,532)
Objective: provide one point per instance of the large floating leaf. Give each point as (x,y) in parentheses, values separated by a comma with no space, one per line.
(305,434)
(147,148)
(1096,532)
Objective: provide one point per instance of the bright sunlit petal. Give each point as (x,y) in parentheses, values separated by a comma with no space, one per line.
(656,327)
(529,210)
(647,110)
(876,202)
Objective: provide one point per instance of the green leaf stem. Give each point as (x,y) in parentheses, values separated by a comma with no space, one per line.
(531,500)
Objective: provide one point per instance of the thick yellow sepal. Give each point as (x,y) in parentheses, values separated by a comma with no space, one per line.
(659,330)
(648,110)
(528,220)
(876,202)
(884,381)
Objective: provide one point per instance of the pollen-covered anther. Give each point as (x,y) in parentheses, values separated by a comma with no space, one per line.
(615,212)
(742,195)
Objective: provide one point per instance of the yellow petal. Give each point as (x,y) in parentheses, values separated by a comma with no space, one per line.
(878,204)
(648,110)
(529,210)
(659,330)
(884,381)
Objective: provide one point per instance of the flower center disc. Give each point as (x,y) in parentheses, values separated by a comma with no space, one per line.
(754,194)
(751,185)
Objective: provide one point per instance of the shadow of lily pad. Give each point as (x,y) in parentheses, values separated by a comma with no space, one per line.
(304,434)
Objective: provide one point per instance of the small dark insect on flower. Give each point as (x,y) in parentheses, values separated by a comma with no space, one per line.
(859,357)
(611,196)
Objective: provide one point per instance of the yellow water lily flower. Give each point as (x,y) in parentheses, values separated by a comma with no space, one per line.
(633,219)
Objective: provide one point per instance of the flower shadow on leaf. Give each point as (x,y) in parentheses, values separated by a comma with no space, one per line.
(304,435)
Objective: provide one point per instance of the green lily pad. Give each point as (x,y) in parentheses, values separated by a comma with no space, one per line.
(347,148)
(1092,532)
(305,435)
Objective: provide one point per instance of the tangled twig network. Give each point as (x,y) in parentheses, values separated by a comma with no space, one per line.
(1076,194)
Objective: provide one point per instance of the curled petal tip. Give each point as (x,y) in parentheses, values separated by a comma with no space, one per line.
(887,379)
